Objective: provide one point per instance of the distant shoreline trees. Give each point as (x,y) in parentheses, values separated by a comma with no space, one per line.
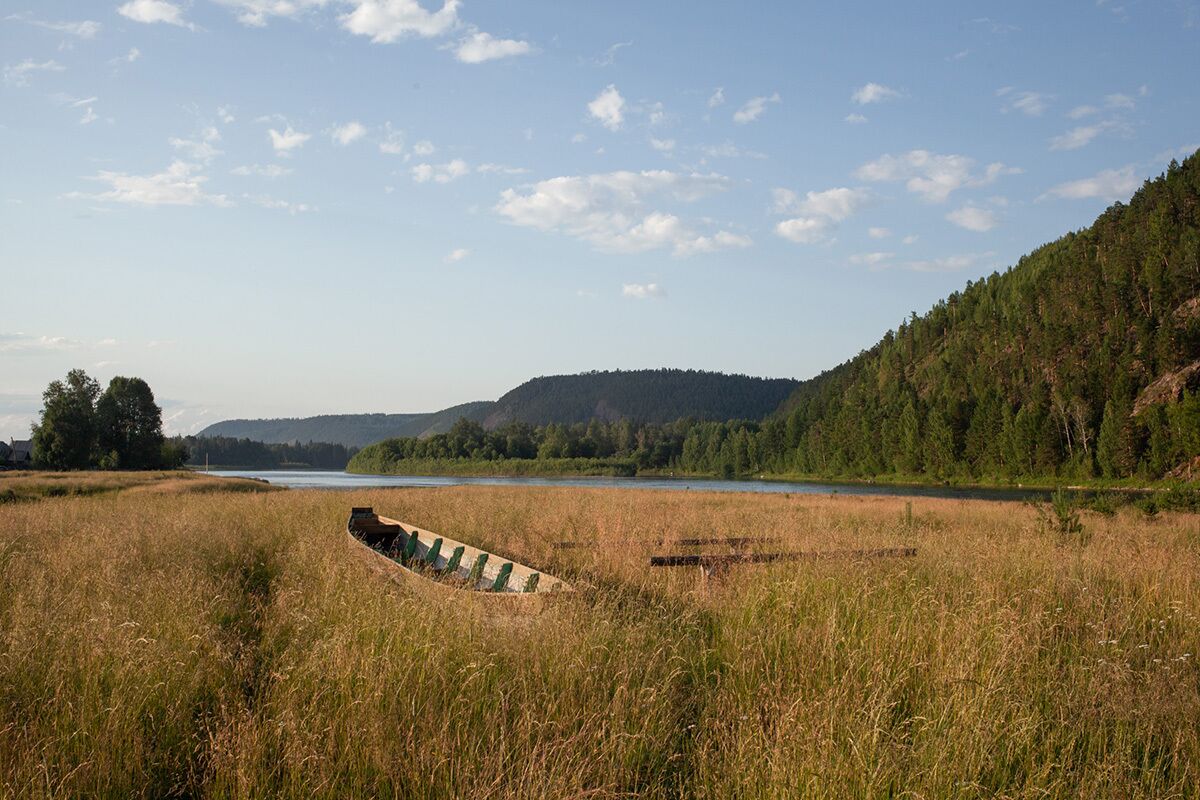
(81,427)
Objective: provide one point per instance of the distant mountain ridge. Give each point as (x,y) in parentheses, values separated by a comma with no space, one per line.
(659,395)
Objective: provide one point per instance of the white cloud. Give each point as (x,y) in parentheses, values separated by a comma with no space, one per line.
(151,11)
(610,54)
(717,98)
(836,204)
(1079,112)
(611,210)
(18,74)
(255,13)
(177,185)
(609,108)
(727,150)
(280,205)
(1031,104)
(456,255)
(89,116)
(202,148)
(642,291)
(873,93)
(84,29)
(870,259)
(1119,101)
(24,343)
(424,148)
(284,143)
(1109,184)
(754,108)
(1076,137)
(932,176)
(910,239)
(386,21)
(579,138)
(440,173)
(949,263)
(973,218)
(500,169)
(267,171)
(878,233)
(348,134)
(393,141)
(815,215)
(803,230)
(480,47)
(855,119)
(225,114)
(662,145)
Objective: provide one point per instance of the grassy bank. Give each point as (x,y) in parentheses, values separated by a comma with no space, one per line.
(37,485)
(224,644)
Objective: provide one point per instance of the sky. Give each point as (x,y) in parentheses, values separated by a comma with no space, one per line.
(294,207)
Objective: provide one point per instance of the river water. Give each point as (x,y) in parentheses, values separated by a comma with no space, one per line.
(324,479)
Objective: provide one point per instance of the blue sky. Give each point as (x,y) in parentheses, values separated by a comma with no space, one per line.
(290,207)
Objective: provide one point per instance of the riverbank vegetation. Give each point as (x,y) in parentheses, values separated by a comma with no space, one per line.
(224,644)
(227,452)
(24,485)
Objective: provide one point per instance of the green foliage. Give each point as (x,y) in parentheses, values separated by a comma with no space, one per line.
(1062,517)
(228,452)
(80,428)
(129,424)
(66,435)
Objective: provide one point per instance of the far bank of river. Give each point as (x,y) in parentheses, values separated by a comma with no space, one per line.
(322,479)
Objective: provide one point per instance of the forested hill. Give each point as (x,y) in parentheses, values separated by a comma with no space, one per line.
(658,395)
(1081,360)
(350,430)
(661,395)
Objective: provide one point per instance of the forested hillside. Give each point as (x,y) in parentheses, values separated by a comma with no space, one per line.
(652,395)
(220,451)
(1081,360)
(351,430)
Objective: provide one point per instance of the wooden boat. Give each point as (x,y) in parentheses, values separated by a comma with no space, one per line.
(425,560)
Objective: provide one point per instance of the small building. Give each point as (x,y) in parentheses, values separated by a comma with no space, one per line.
(20,453)
(5,452)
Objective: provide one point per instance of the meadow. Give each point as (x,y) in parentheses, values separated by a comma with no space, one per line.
(158,640)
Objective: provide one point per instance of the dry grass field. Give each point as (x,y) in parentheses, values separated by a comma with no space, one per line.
(159,642)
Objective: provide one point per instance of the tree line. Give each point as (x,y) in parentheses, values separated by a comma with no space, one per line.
(81,427)
(231,452)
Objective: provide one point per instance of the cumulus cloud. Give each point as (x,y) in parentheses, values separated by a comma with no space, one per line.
(440,173)
(873,93)
(480,47)
(870,259)
(177,185)
(284,143)
(18,74)
(202,148)
(932,176)
(662,145)
(262,171)
(878,233)
(152,11)
(1109,184)
(424,148)
(973,218)
(754,108)
(456,255)
(348,133)
(855,119)
(386,21)
(609,108)
(814,215)
(717,98)
(392,143)
(89,116)
(1031,104)
(642,291)
(255,13)
(611,211)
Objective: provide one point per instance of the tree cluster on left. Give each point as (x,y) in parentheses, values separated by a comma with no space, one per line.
(119,428)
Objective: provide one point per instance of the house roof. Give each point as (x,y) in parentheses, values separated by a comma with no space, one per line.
(22,447)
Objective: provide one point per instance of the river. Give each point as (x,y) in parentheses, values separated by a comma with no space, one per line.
(327,479)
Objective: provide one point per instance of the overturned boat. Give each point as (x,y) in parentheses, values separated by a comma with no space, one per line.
(424,559)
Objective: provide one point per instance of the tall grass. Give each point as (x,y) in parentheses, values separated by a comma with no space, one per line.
(227,645)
